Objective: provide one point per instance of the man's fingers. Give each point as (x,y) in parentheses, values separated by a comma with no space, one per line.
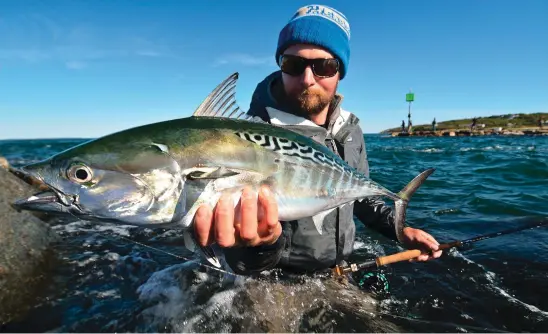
(269,221)
(224,222)
(429,241)
(248,229)
(423,257)
(202,224)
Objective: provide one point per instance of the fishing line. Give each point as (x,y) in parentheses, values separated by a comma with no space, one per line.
(476,328)
(236,275)
(175,255)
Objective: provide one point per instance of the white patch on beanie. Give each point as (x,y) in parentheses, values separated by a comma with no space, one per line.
(324,12)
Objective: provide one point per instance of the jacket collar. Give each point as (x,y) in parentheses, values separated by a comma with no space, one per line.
(269,95)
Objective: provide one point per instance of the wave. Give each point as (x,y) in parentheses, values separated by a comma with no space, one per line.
(493,285)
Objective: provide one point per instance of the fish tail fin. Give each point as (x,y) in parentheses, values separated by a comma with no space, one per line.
(404,196)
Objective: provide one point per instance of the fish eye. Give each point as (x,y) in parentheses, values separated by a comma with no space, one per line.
(80,173)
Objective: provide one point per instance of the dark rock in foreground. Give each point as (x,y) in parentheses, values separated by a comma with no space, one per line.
(24,249)
(205,301)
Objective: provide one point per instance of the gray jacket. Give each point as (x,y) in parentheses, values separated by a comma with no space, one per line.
(303,249)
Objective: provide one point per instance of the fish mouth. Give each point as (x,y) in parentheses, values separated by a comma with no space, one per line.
(38,200)
(49,199)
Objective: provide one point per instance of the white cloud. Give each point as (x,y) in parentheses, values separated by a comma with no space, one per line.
(36,38)
(76,65)
(245,59)
(149,53)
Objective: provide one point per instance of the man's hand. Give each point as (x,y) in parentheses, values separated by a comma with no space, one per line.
(253,222)
(419,239)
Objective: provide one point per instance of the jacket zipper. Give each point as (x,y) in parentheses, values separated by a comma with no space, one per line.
(334,146)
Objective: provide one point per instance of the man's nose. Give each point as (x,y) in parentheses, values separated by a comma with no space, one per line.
(307,77)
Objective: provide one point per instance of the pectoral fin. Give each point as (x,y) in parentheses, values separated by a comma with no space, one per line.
(319,218)
(207,251)
(189,241)
(210,256)
(211,174)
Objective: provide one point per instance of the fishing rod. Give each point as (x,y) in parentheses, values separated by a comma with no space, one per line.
(414,253)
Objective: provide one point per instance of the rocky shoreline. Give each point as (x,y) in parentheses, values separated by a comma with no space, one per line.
(468,133)
(25,247)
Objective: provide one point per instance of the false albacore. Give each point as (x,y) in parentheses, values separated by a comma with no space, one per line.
(159,174)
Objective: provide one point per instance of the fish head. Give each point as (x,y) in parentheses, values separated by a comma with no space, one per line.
(127,183)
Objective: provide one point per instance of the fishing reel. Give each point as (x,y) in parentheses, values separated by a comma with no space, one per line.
(373,282)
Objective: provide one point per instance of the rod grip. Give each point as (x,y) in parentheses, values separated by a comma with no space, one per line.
(398,257)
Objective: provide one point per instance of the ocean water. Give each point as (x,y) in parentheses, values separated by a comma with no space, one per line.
(107,278)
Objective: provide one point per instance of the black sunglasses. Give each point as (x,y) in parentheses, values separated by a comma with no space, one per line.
(321,67)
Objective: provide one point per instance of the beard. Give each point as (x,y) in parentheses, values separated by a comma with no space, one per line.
(309,101)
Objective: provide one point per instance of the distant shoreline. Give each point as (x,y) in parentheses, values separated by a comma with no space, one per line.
(509,124)
(43,139)
(467,133)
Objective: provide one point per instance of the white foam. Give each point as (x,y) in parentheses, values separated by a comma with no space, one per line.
(112,293)
(491,276)
(85,226)
(370,245)
(87,261)
(359,245)
(112,256)
(123,230)
(430,150)
(172,297)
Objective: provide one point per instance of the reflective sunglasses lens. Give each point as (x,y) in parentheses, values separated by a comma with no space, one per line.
(292,65)
(326,67)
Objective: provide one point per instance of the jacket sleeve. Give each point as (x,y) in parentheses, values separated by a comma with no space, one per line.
(373,212)
(253,260)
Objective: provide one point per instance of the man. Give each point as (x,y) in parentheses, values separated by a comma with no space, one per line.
(313,54)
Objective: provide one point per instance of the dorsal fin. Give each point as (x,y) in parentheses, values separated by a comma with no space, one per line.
(221,102)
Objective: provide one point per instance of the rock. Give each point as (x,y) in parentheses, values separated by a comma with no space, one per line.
(305,306)
(28,179)
(25,251)
(452,134)
(270,303)
(4,163)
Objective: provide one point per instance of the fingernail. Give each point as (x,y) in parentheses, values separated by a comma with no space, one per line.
(247,193)
(223,199)
(265,190)
(201,213)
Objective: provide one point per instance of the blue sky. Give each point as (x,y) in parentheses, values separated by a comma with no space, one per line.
(88,68)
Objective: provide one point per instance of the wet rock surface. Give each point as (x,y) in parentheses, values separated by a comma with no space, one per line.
(25,252)
(185,298)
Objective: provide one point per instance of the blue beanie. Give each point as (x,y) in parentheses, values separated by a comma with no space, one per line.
(318,25)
